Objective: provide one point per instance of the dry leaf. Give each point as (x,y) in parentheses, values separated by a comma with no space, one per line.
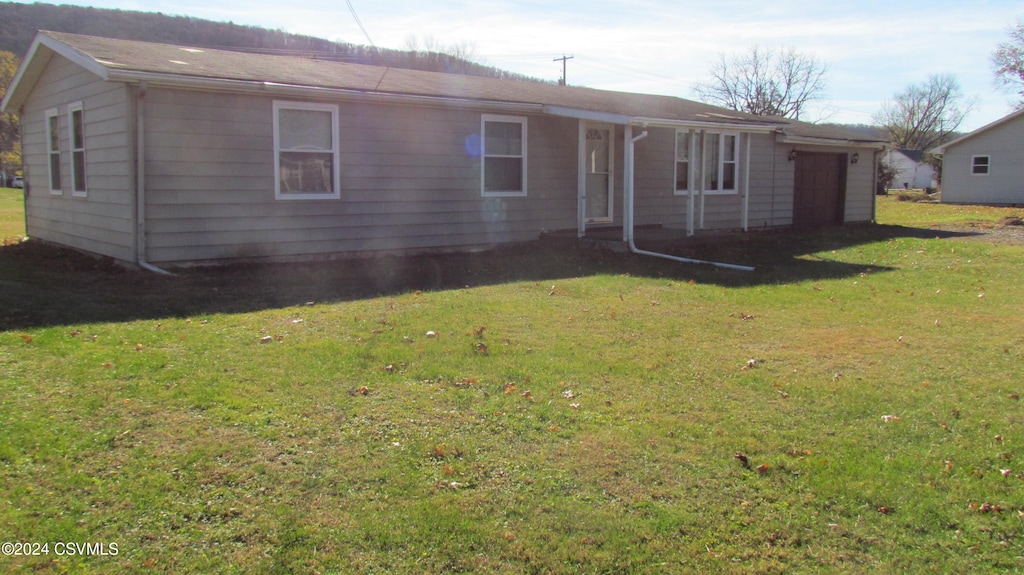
(27,338)
(743,459)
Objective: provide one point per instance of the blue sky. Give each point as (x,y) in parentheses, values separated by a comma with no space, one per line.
(874,49)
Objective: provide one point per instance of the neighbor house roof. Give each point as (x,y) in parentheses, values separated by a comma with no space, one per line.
(939,150)
(165,64)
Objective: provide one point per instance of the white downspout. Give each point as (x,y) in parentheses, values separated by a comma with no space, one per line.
(140,182)
(691,182)
(628,209)
(745,217)
(701,190)
(581,180)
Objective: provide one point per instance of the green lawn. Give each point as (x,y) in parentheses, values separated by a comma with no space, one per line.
(12,215)
(851,406)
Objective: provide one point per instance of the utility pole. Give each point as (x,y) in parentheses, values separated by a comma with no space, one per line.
(563,59)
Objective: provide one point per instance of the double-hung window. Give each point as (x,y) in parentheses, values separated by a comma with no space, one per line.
(76,121)
(306,150)
(503,155)
(980,165)
(706,161)
(53,147)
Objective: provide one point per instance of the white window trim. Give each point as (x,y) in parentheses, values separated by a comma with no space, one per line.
(693,161)
(988,164)
(76,190)
(335,144)
(484,118)
(51,154)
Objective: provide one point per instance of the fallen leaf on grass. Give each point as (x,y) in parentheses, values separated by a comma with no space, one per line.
(27,338)
(742,459)
(266,339)
(763,468)
(885,510)
(890,418)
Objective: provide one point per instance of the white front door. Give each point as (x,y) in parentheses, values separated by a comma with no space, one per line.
(599,181)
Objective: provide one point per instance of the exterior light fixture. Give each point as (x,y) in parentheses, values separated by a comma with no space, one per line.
(792,155)
(855,158)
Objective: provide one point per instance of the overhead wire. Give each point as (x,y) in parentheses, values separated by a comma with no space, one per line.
(355,16)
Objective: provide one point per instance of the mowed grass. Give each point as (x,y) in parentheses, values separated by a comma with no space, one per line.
(12,210)
(852,406)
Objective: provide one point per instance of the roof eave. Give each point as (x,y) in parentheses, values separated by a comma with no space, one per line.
(39,54)
(297,90)
(784,138)
(940,150)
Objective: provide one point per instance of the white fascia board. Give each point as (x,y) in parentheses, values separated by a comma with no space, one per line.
(604,117)
(809,141)
(698,124)
(939,150)
(39,54)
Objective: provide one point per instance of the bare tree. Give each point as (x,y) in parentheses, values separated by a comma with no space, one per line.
(1008,60)
(430,45)
(924,115)
(766,82)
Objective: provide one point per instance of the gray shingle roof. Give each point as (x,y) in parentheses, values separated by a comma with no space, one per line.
(121,58)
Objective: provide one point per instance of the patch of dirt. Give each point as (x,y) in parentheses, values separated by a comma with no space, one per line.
(1008,231)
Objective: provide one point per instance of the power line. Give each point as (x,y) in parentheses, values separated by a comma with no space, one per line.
(356,18)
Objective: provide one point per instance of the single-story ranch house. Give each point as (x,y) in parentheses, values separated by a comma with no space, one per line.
(985,166)
(171,155)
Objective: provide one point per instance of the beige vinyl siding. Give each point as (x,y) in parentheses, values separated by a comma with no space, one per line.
(100,222)
(409,182)
(771,186)
(860,187)
(1004,184)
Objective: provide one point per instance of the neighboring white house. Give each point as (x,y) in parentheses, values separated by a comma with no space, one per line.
(156,153)
(985,166)
(911,170)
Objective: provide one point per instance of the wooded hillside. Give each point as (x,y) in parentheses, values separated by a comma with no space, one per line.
(20,22)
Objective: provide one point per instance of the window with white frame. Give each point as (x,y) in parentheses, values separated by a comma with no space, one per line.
(980,165)
(76,122)
(503,155)
(53,147)
(306,151)
(707,161)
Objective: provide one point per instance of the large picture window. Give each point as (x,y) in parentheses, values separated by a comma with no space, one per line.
(706,160)
(503,157)
(76,121)
(53,147)
(306,151)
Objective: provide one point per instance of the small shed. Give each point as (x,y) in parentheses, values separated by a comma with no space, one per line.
(985,166)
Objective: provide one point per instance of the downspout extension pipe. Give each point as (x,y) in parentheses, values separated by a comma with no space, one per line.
(629,215)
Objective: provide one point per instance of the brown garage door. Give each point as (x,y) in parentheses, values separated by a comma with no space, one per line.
(819,191)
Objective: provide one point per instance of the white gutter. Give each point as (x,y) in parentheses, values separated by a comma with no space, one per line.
(628,209)
(140,183)
(262,87)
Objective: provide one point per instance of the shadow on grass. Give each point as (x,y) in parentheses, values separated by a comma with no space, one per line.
(42,285)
